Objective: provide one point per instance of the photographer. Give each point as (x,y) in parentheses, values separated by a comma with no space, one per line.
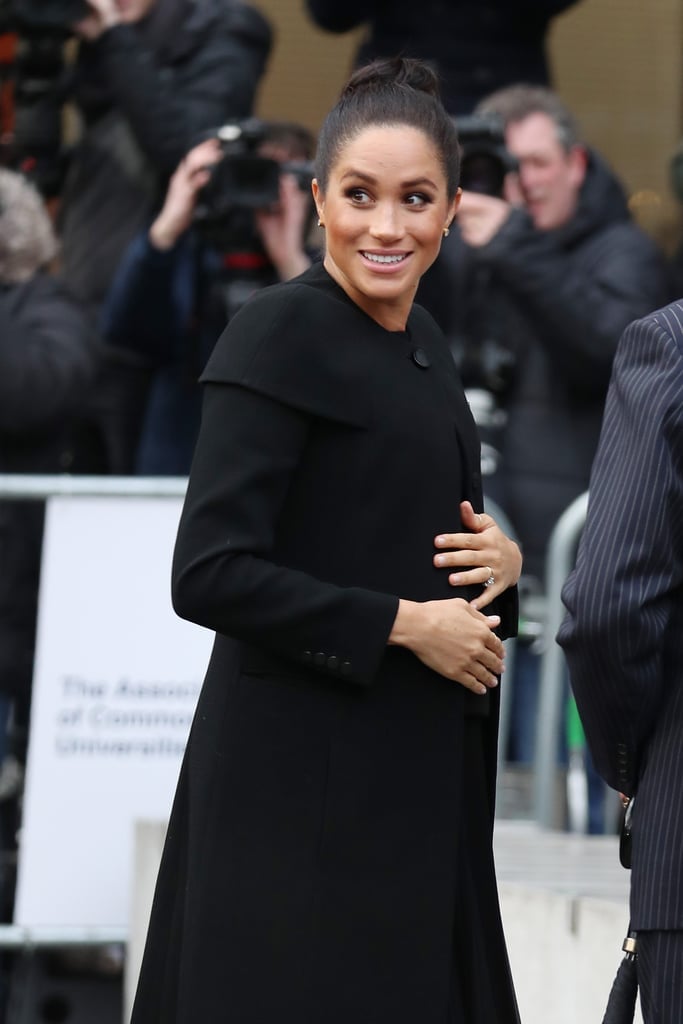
(147,77)
(547,276)
(204,254)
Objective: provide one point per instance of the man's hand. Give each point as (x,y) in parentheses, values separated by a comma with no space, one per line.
(282,229)
(105,14)
(480,217)
(176,215)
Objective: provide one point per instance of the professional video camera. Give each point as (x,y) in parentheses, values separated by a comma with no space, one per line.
(244,177)
(484,159)
(243,180)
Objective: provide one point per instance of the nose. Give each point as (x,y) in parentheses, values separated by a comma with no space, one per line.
(386,224)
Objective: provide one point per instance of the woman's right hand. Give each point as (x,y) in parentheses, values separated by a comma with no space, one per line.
(452,638)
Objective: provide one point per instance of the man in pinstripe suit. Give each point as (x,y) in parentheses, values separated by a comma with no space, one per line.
(623,635)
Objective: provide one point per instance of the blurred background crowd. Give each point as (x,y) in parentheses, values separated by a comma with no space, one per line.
(156,158)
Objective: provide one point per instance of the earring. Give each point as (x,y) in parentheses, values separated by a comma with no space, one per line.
(320,223)
(446,232)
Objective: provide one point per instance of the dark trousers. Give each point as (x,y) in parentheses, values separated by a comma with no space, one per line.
(660,976)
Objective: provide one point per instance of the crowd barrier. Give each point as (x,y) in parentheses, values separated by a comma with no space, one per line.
(560,557)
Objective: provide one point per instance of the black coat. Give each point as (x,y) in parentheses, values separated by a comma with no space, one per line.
(312,854)
(476,47)
(555,304)
(48,358)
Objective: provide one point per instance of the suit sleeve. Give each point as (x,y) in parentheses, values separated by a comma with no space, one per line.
(621,597)
(224,575)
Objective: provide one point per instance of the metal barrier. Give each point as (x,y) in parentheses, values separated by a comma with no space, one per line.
(561,553)
(559,562)
(493,509)
(19,486)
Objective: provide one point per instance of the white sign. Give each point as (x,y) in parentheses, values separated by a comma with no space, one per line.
(116,681)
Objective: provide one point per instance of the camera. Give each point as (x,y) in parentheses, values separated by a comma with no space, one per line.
(244,177)
(54,16)
(484,159)
(243,180)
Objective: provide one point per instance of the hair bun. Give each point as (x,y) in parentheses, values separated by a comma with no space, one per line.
(392,72)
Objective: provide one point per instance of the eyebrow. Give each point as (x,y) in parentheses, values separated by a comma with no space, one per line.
(372,180)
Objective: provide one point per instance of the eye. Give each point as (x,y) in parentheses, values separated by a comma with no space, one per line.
(358,196)
(417,199)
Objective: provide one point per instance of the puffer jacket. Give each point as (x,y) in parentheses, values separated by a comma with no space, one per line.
(145,98)
(553,305)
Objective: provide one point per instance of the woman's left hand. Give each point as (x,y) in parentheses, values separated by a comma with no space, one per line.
(484,555)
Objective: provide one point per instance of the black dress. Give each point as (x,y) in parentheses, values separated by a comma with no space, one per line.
(329,853)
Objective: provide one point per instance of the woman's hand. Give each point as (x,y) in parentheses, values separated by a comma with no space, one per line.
(484,554)
(453,638)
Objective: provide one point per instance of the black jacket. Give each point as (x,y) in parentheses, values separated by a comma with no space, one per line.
(48,357)
(555,303)
(623,632)
(476,47)
(145,99)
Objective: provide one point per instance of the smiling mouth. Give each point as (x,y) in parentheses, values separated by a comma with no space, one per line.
(377,258)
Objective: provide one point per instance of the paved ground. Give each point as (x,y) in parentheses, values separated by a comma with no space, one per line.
(571,865)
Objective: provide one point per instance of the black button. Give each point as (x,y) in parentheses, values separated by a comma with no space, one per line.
(307,656)
(333,662)
(420,358)
(345,668)
(319,658)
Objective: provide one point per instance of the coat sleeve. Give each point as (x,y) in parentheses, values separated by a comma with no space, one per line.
(580,309)
(147,309)
(48,356)
(621,598)
(225,576)
(166,115)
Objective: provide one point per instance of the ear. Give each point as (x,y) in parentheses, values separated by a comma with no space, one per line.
(318,197)
(578,165)
(453,208)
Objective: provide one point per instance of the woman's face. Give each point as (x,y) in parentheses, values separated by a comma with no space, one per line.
(384,212)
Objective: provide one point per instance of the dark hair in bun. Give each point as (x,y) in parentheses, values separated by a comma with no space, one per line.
(397,91)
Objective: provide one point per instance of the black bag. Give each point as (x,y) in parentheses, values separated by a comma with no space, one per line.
(621,1005)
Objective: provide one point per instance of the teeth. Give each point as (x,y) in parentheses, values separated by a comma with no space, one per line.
(374,258)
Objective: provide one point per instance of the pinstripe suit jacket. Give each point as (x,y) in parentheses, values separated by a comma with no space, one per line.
(623,633)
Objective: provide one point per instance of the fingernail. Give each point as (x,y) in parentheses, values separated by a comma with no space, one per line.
(455,577)
(481,689)
(439,559)
(440,540)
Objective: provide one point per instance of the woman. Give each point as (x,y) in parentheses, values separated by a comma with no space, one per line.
(329,854)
